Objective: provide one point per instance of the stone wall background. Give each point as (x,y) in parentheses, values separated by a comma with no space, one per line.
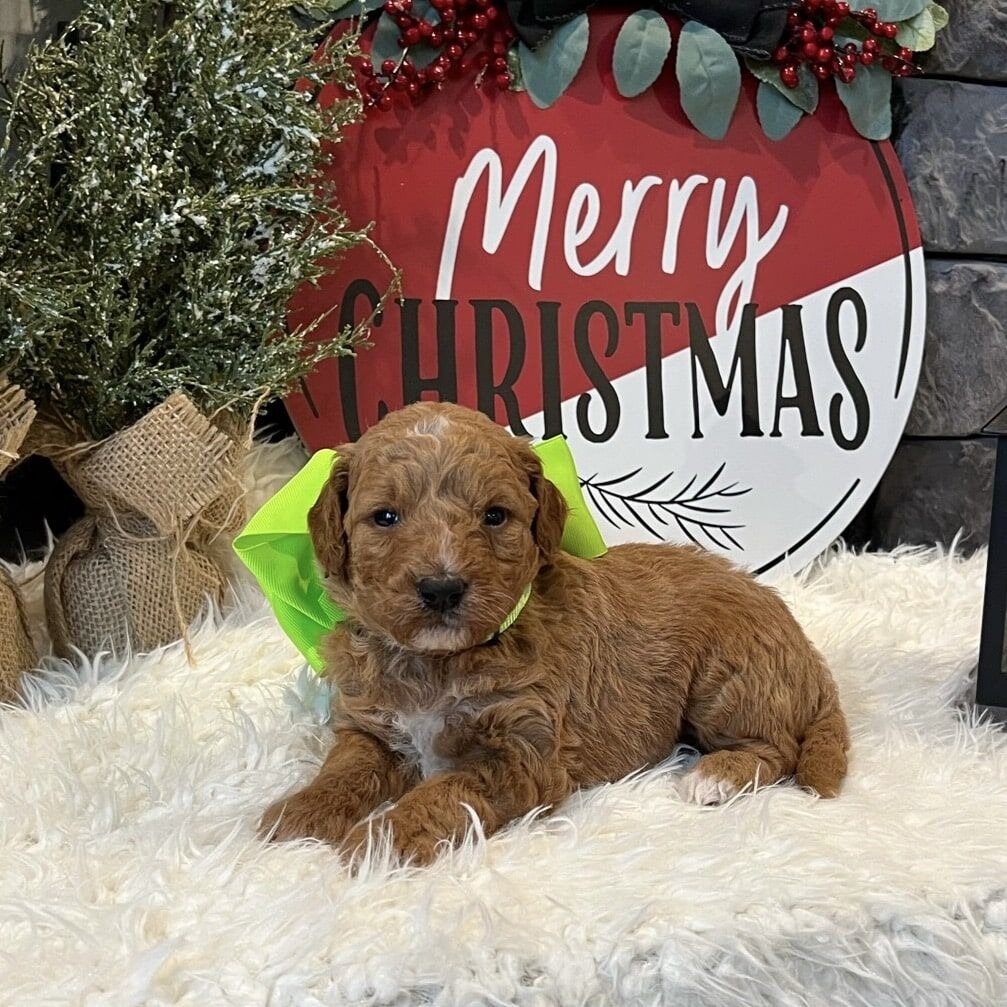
(951,136)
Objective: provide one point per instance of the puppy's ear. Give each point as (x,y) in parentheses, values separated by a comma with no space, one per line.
(326,520)
(550,517)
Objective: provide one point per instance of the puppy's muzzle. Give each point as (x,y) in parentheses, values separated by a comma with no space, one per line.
(441,594)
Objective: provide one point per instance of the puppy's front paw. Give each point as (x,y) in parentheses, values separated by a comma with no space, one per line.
(698,787)
(308,814)
(414,837)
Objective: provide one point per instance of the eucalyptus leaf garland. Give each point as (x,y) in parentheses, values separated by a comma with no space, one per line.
(898,10)
(640,52)
(868,100)
(804,96)
(548,70)
(548,40)
(709,78)
(777,115)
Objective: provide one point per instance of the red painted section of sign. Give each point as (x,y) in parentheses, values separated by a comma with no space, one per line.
(400,168)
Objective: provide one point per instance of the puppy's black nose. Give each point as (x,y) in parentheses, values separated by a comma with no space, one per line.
(441,594)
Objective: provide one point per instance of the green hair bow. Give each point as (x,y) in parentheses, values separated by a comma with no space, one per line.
(276,545)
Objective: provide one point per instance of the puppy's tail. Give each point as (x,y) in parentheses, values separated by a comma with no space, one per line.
(822,762)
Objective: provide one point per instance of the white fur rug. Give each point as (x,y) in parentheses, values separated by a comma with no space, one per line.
(129,873)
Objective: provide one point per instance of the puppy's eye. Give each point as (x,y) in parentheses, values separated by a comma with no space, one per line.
(385,518)
(494,517)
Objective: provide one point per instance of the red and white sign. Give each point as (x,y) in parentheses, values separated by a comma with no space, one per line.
(729,333)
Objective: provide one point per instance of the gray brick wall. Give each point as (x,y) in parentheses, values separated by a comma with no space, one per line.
(951,136)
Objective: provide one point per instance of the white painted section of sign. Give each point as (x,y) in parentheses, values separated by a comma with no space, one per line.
(793,481)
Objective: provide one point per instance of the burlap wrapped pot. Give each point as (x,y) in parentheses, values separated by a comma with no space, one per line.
(136,569)
(17,652)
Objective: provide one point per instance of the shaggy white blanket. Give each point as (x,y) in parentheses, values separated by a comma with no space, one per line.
(129,871)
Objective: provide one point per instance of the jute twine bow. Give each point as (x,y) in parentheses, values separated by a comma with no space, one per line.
(133,573)
(17,652)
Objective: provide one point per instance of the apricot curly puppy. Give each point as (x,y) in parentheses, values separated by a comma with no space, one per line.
(429,531)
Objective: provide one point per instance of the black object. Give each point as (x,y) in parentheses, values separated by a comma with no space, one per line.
(751,27)
(273,422)
(34,498)
(991,675)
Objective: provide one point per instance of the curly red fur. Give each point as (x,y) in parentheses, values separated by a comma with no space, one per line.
(611,662)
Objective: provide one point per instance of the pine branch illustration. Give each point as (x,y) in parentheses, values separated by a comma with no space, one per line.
(696,512)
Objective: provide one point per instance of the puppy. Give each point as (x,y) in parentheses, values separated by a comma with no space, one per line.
(429,531)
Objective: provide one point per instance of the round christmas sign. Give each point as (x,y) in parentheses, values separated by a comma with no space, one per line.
(729,332)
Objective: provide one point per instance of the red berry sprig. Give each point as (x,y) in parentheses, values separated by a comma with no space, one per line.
(465,26)
(810,40)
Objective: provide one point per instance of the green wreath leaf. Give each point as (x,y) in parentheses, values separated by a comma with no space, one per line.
(777,116)
(804,96)
(423,55)
(640,52)
(852,31)
(868,100)
(940,16)
(840,39)
(709,77)
(918,33)
(385,44)
(548,70)
(898,10)
(425,10)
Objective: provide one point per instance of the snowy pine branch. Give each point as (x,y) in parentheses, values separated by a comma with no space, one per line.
(161,202)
